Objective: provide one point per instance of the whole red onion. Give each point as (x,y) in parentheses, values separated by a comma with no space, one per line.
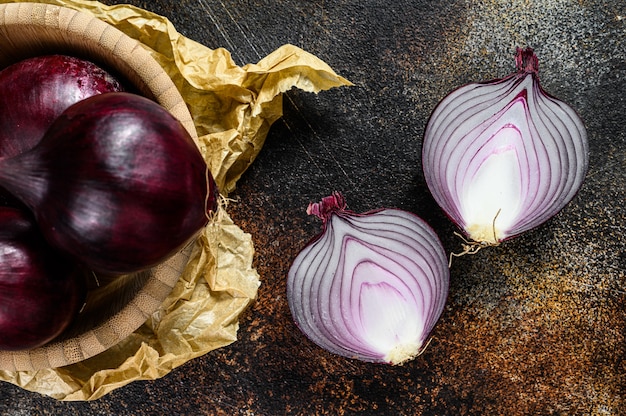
(117,182)
(35,91)
(40,289)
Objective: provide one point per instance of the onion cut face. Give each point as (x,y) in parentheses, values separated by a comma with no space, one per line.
(371,286)
(503,157)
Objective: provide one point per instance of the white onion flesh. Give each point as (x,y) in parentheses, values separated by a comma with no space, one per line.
(371,286)
(502,157)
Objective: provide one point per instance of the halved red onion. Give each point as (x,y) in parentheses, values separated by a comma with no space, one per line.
(371,286)
(502,157)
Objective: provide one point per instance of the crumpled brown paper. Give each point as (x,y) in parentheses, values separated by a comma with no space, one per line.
(233,108)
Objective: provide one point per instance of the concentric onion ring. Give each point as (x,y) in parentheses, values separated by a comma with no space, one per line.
(371,286)
(502,157)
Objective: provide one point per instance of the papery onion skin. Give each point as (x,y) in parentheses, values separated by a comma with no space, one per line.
(35,91)
(41,290)
(502,157)
(371,286)
(117,182)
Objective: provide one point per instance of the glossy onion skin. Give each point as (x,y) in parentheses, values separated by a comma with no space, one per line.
(117,182)
(502,157)
(35,91)
(40,290)
(371,286)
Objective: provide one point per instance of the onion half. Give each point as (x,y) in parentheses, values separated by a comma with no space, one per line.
(371,286)
(502,157)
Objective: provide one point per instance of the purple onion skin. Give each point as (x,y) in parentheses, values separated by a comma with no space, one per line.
(40,290)
(117,182)
(35,91)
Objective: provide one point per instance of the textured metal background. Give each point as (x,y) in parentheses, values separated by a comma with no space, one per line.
(536,326)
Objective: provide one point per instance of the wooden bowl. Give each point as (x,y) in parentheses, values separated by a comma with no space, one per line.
(117,308)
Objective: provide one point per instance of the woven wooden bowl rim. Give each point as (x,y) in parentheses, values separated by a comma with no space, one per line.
(116,310)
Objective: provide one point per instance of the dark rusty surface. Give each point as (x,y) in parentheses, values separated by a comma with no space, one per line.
(536,326)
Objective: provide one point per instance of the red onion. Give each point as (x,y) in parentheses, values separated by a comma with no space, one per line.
(502,157)
(371,286)
(35,91)
(40,290)
(117,182)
